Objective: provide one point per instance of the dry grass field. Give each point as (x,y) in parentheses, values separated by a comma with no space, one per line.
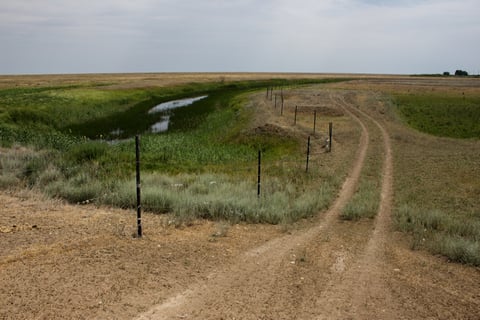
(143,80)
(393,260)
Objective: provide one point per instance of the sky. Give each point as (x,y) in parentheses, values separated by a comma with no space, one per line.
(340,36)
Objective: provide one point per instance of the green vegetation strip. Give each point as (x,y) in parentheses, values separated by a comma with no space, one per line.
(442,114)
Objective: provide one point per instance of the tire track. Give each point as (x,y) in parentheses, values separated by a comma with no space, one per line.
(376,247)
(256,286)
(361,292)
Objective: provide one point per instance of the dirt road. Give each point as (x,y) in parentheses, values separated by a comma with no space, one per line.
(331,269)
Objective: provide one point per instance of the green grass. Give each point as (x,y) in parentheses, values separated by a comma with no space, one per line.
(442,114)
(58,107)
(54,124)
(95,111)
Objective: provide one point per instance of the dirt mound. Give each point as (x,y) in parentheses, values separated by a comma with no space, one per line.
(266,133)
(269,129)
(321,111)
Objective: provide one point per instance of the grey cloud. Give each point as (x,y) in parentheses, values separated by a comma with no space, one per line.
(386,36)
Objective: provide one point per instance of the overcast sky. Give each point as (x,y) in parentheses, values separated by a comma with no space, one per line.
(359,36)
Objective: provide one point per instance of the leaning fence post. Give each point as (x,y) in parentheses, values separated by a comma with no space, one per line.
(259,172)
(308,153)
(139,207)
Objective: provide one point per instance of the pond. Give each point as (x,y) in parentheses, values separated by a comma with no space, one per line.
(148,116)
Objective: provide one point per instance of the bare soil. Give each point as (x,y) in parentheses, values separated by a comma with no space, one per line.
(59,261)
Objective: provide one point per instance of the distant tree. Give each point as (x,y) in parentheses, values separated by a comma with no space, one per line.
(446,73)
(461,73)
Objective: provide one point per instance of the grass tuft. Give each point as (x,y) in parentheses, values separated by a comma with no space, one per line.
(364,203)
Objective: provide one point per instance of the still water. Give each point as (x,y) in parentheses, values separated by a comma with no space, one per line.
(164,114)
(162,125)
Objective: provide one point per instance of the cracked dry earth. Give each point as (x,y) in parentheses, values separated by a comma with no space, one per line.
(330,269)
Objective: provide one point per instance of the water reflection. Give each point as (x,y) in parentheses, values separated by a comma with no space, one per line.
(174,104)
(162,125)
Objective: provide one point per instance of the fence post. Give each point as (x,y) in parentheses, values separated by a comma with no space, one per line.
(314,121)
(330,131)
(295,120)
(275,101)
(308,153)
(259,172)
(139,206)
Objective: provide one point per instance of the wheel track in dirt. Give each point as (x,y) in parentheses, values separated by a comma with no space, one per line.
(360,292)
(258,285)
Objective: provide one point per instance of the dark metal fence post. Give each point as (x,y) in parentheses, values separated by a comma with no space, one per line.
(314,121)
(139,207)
(330,131)
(308,153)
(275,101)
(295,120)
(259,172)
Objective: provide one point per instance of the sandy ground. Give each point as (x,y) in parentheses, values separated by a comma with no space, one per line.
(80,262)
